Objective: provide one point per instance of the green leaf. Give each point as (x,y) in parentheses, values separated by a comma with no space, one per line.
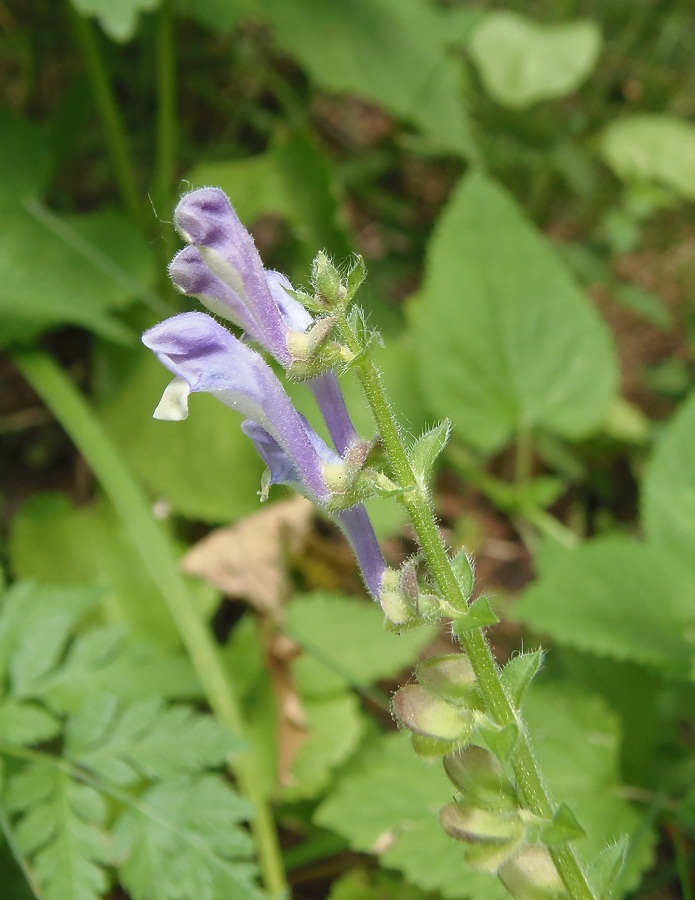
(342,48)
(620,598)
(427,448)
(62,832)
(123,744)
(522,62)
(564,827)
(519,672)
(25,159)
(205,467)
(118,18)
(183,840)
(107,660)
(89,545)
(68,271)
(386,803)
(606,870)
(506,341)
(501,741)
(346,644)
(652,148)
(478,615)
(34,626)
(26,723)
(576,739)
(335,726)
(668,499)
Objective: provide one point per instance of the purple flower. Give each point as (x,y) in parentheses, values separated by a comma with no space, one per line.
(205,357)
(222,268)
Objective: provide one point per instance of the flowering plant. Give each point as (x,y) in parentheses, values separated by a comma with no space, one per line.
(463,708)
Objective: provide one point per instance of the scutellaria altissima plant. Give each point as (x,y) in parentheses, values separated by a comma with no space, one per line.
(463,708)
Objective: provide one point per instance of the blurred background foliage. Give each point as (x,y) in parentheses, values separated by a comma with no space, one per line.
(519,178)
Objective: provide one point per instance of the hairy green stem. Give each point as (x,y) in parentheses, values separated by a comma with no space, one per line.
(109,112)
(419,506)
(165,154)
(72,411)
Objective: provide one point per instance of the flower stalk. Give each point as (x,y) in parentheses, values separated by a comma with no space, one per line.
(505,816)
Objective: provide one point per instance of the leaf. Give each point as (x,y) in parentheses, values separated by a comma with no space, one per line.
(652,148)
(668,497)
(506,341)
(615,597)
(34,626)
(106,660)
(26,723)
(184,840)
(427,448)
(52,275)
(362,884)
(118,18)
(25,160)
(204,468)
(346,644)
(519,672)
(522,62)
(89,545)
(576,739)
(342,48)
(62,832)
(123,744)
(335,726)
(387,803)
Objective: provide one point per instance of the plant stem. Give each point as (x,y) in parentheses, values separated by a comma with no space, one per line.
(417,501)
(71,409)
(107,106)
(165,157)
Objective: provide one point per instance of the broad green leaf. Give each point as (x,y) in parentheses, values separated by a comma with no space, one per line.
(615,597)
(576,739)
(506,341)
(653,148)
(124,743)
(522,62)
(342,48)
(60,270)
(668,499)
(204,468)
(62,832)
(118,18)
(345,643)
(183,840)
(388,804)
(335,726)
(87,545)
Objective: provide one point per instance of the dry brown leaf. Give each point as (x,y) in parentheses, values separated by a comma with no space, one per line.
(248,560)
